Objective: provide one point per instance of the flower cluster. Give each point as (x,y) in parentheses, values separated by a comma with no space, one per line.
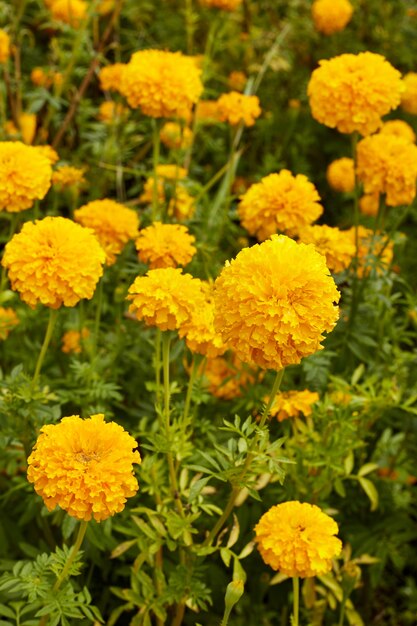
(274,301)
(341,175)
(279,202)
(235,107)
(161,84)
(8,320)
(71,12)
(331,16)
(297,539)
(54,261)
(409,96)
(165,245)
(72,340)
(336,245)
(4,46)
(25,176)
(387,164)
(352,92)
(112,222)
(293,403)
(85,466)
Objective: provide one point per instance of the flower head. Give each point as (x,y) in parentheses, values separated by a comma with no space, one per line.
(293,403)
(25,176)
(165,298)
(369,204)
(175,137)
(387,164)
(274,301)
(72,341)
(161,84)
(110,76)
(237,80)
(341,175)
(72,12)
(409,96)
(331,16)
(8,320)
(49,153)
(85,466)
(200,334)
(352,92)
(399,129)
(297,539)
(112,222)
(54,261)
(165,245)
(336,245)
(224,5)
(279,202)
(4,46)
(207,112)
(67,176)
(235,107)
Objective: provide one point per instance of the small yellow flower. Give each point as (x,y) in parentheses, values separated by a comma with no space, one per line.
(72,341)
(110,76)
(293,403)
(85,466)
(228,378)
(71,12)
(39,77)
(369,204)
(8,320)
(4,46)
(109,112)
(237,81)
(182,205)
(341,175)
(399,129)
(207,112)
(175,136)
(224,5)
(67,176)
(298,539)
(409,96)
(165,245)
(331,16)
(27,124)
(235,107)
(336,245)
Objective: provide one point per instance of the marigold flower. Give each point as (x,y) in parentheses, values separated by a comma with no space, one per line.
(85,466)
(293,403)
(274,301)
(4,46)
(200,335)
(297,539)
(39,77)
(165,298)
(352,92)
(369,204)
(341,175)
(27,124)
(112,222)
(388,164)
(68,176)
(8,320)
(207,111)
(279,202)
(175,136)
(72,341)
(25,176)
(224,5)
(110,111)
(110,76)
(54,261)
(409,96)
(399,129)
(237,80)
(235,107)
(331,16)
(161,84)
(165,245)
(49,153)
(228,378)
(71,12)
(336,245)
(182,205)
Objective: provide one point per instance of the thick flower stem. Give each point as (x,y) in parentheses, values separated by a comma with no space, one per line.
(158,341)
(97,320)
(296,600)
(155,160)
(53,314)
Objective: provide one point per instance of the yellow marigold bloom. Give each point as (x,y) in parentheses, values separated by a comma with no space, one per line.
(25,176)
(399,129)
(182,205)
(161,84)
(279,202)
(110,111)
(409,96)
(235,107)
(200,335)
(227,379)
(274,301)
(111,76)
(293,403)
(237,80)
(165,298)
(113,223)
(336,245)
(207,111)
(49,153)
(4,46)
(175,137)
(331,16)
(72,341)
(171,172)
(341,175)
(39,77)
(369,204)
(375,251)
(387,164)
(27,123)
(166,175)
(165,245)
(351,92)
(297,539)
(71,12)
(54,261)
(8,320)
(85,466)
(68,176)
(224,5)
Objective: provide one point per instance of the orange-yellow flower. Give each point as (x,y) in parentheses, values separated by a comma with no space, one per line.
(228,378)
(49,153)
(25,176)
(336,245)
(274,301)
(200,334)
(409,96)
(110,76)
(297,539)
(72,341)
(54,261)
(369,204)
(237,80)
(341,175)
(112,222)
(8,320)
(72,12)
(293,403)
(279,202)
(85,466)
(67,176)
(207,112)
(235,107)
(352,92)
(224,5)
(110,111)
(165,245)
(175,136)
(4,46)
(399,129)
(161,84)
(331,16)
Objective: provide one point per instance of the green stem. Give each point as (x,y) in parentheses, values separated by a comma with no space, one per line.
(158,364)
(75,549)
(53,314)
(189,25)
(296,600)
(98,315)
(193,375)
(342,612)
(155,159)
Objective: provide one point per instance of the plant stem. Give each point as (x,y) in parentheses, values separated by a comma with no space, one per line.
(158,364)
(53,314)
(189,25)
(296,600)
(98,315)
(71,558)
(342,612)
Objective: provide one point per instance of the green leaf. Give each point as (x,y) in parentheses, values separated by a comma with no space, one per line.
(370,490)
